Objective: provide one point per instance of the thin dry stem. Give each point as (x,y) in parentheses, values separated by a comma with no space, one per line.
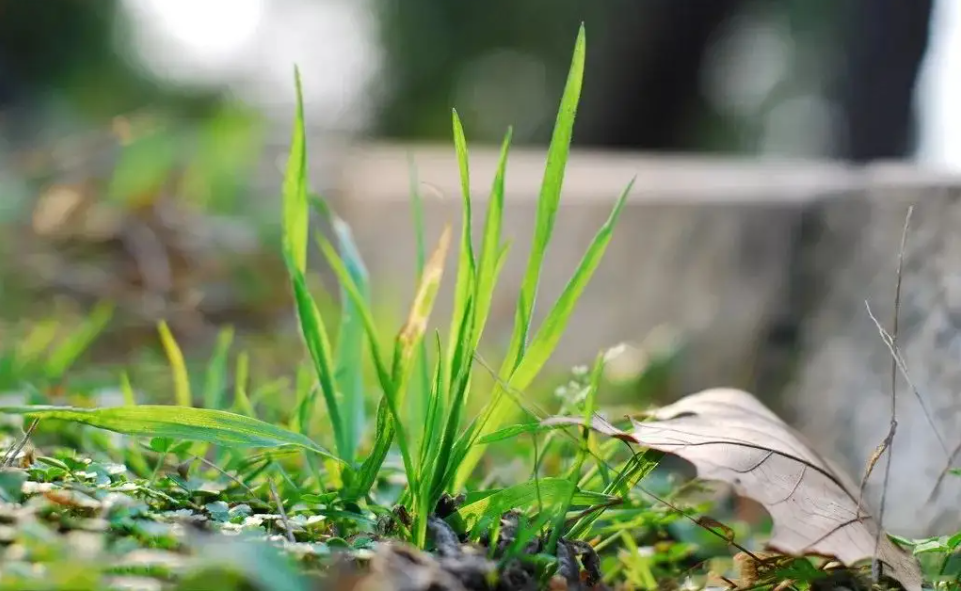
(903,370)
(236,480)
(12,454)
(893,426)
(944,472)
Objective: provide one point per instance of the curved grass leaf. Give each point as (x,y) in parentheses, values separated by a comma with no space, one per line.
(513,431)
(176,422)
(348,356)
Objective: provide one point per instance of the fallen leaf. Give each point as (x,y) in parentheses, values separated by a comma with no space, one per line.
(730,436)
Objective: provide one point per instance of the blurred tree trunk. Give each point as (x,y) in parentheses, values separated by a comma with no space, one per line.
(647,65)
(884,44)
(642,91)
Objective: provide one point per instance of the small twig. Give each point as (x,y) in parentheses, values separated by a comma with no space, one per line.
(16,449)
(893,425)
(236,480)
(944,473)
(695,521)
(283,513)
(902,368)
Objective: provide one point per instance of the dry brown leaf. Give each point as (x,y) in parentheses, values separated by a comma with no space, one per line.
(730,436)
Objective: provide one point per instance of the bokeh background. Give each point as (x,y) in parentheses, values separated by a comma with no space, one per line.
(141,141)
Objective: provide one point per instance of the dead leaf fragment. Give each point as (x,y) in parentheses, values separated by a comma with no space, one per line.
(730,436)
(716,526)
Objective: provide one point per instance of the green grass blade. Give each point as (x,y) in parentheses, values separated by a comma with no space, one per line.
(314,333)
(547,203)
(176,422)
(549,334)
(362,307)
(636,469)
(435,411)
(487,505)
(465,261)
(348,362)
(215,379)
(296,212)
(459,389)
(176,359)
(514,431)
(491,261)
(369,470)
(67,352)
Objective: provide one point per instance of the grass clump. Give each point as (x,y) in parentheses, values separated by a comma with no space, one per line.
(272,484)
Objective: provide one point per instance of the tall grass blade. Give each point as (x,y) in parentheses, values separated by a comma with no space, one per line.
(362,307)
(314,332)
(430,443)
(547,205)
(370,469)
(296,212)
(464,285)
(194,424)
(176,359)
(350,340)
(547,202)
(349,365)
(491,262)
(459,388)
(549,333)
